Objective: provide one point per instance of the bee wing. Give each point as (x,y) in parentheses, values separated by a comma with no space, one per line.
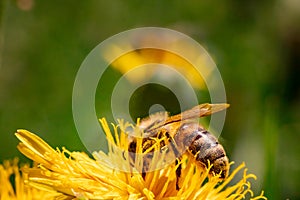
(196,112)
(153,120)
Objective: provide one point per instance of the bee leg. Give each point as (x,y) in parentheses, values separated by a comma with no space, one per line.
(147,159)
(177,162)
(144,175)
(178,173)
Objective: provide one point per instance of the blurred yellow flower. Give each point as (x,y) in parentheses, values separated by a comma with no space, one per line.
(76,175)
(137,58)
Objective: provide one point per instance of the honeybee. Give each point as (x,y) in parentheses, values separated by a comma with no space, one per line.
(184,133)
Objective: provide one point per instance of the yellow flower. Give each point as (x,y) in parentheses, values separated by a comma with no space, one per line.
(76,175)
(13,187)
(135,59)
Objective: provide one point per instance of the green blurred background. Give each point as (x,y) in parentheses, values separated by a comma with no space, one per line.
(255,44)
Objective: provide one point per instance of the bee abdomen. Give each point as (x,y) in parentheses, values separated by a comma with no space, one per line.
(206,151)
(215,155)
(204,146)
